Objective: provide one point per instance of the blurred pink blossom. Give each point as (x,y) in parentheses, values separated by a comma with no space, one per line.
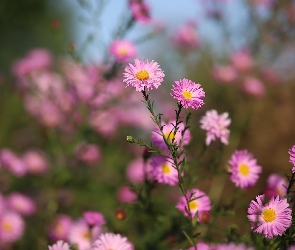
(242,60)
(35,161)
(225,74)
(88,153)
(21,204)
(122,50)
(140,11)
(125,194)
(253,86)
(60,227)
(186,37)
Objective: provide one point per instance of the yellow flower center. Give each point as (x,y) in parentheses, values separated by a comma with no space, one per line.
(142,75)
(269,215)
(87,235)
(122,51)
(187,94)
(166,169)
(169,136)
(193,205)
(6,226)
(244,169)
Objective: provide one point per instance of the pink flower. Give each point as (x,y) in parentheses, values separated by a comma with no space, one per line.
(201,246)
(140,11)
(271,218)
(21,204)
(243,169)
(143,75)
(11,227)
(60,245)
(225,74)
(163,170)
(198,202)
(188,93)
(125,194)
(93,218)
(122,50)
(12,162)
(35,162)
(216,126)
(168,131)
(88,153)
(186,36)
(233,246)
(253,86)
(276,185)
(292,157)
(136,170)
(60,227)
(242,60)
(108,241)
(80,234)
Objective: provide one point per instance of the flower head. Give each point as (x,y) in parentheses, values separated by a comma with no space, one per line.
(60,227)
(143,75)
(201,246)
(188,93)
(233,246)
(270,219)
(168,130)
(112,241)
(163,170)
(11,227)
(60,245)
(80,234)
(21,204)
(122,50)
(243,169)
(276,185)
(199,202)
(216,126)
(93,218)
(292,157)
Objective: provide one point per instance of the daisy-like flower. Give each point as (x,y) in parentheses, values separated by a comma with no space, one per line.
(163,170)
(276,185)
(60,245)
(188,93)
(200,204)
(233,246)
(270,219)
(122,50)
(243,169)
(201,246)
(143,75)
(112,241)
(93,218)
(60,227)
(168,130)
(80,234)
(216,126)
(11,227)
(292,157)
(21,204)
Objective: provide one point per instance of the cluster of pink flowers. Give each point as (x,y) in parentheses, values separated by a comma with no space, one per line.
(140,11)
(292,157)
(243,169)
(241,69)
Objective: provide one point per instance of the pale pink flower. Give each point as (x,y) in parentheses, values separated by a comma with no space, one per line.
(13,163)
(122,50)
(94,218)
(135,171)
(60,227)
(225,74)
(112,241)
(60,245)
(140,11)
(21,204)
(292,157)
(88,153)
(11,227)
(233,246)
(242,60)
(270,219)
(276,185)
(201,246)
(253,86)
(216,126)
(80,234)
(35,161)
(125,194)
(143,74)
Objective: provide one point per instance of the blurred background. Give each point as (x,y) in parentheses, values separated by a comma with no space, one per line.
(65,112)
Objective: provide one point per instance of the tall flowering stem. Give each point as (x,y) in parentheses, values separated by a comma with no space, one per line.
(175,154)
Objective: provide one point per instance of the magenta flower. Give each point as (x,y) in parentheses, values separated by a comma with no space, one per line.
(60,245)
(186,37)
(122,50)
(201,246)
(292,157)
(271,218)
(253,86)
(21,204)
(216,126)
(140,11)
(143,75)
(168,130)
(276,185)
(60,227)
(232,246)
(11,227)
(163,170)
(243,169)
(93,218)
(200,204)
(125,194)
(108,241)
(188,93)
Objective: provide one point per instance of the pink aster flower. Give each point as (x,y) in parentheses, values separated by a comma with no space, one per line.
(60,227)
(243,169)
(233,246)
(276,185)
(125,194)
(163,170)
(201,246)
(225,74)
(216,126)
(60,245)
(168,131)
(136,170)
(122,50)
(88,153)
(113,241)
(253,86)
(202,203)
(140,11)
(21,204)
(292,157)
(242,60)
(11,227)
(270,219)
(80,234)
(35,161)
(93,218)
(188,93)
(143,75)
